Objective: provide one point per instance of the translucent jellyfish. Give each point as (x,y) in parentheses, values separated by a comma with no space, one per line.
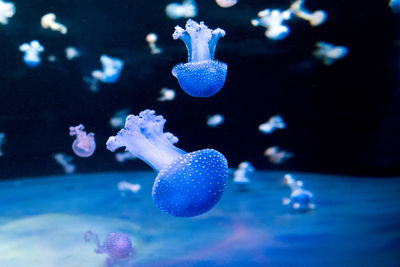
(275,122)
(84,144)
(275,156)
(2,141)
(52,58)
(188,184)
(123,156)
(118,120)
(215,120)
(226,3)
(111,69)
(118,247)
(272,20)
(65,162)
(316,18)
(202,76)
(124,186)
(395,5)
(188,9)
(151,39)
(71,52)
(329,53)
(166,94)
(7,10)
(48,21)
(32,52)
(242,175)
(300,199)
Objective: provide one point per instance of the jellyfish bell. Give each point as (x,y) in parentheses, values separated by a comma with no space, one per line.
(226,3)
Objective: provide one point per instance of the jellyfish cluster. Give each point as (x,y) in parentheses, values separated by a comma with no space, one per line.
(84,144)
(7,10)
(111,71)
(329,53)
(32,52)
(242,175)
(215,120)
(300,198)
(65,161)
(188,9)
(275,122)
(48,21)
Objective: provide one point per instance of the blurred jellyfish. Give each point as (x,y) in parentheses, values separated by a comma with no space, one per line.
(329,53)
(124,186)
(188,184)
(52,58)
(32,52)
(300,199)
(188,9)
(202,76)
(7,10)
(215,120)
(111,69)
(118,120)
(84,144)
(166,94)
(123,156)
(151,39)
(275,156)
(118,247)
(226,3)
(272,20)
(92,82)
(316,18)
(395,5)
(65,162)
(71,52)
(2,141)
(275,122)
(241,176)
(48,21)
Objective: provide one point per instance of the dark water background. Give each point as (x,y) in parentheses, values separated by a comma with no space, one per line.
(341,119)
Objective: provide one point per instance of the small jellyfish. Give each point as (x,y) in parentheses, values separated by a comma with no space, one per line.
(123,156)
(187,184)
(166,94)
(329,53)
(7,10)
(241,176)
(2,141)
(65,162)
(118,119)
(275,156)
(275,122)
(272,20)
(118,247)
(300,199)
(215,120)
(92,82)
(48,21)
(84,144)
(316,18)
(111,69)
(71,52)
(124,186)
(202,76)
(32,52)
(151,39)
(226,3)
(395,5)
(52,58)
(188,9)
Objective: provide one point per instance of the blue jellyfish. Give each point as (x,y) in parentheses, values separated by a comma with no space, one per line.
(32,52)
(188,184)
(84,144)
(112,68)
(202,76)
(300,198)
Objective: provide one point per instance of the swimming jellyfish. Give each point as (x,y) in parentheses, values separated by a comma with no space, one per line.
(48,21)
(272,20)
(84,144)
(2,141)
(65,162)
(123,156)
(188,9)
(32,52)
(275,122)
(7,10)
(329,53)
(111,69)
(226,3)
(316,18)
(124,186)
(118,247)
(242,175)
(202,76)
(277,156)
(118,119)
(71,52)
(300,199)
(215,120)
(166,94)
(151,39)
(188,184)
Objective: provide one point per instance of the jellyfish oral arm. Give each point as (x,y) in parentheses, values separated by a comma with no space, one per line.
(91,237)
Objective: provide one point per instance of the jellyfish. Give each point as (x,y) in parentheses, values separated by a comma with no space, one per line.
(111,69)
(187,184)
(65,162)
(84,144)
(202,76)
(71,52)
(300,199)
(275,122)
(118,119)
(52,58)
(316,18)
(242,175)
(226,3)
(48,21)
(166,94)
(395,5)
(124,186)
(329,53)
(7,10)
(123,156)
(187,9)
(32,52)
(151,39)
(215,120)
(118,247)
(272,20)
(277,156)
(2,141)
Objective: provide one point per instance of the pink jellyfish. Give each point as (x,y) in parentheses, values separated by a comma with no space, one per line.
(84,144)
